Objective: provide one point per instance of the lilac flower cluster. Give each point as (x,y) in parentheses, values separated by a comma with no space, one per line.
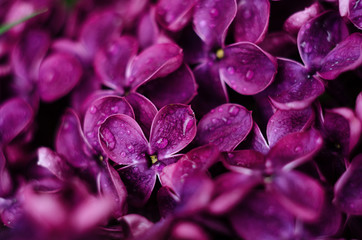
(182,119)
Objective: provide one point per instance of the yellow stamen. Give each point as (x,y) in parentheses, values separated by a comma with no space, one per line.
(153,159)
(220,53)
(101,158)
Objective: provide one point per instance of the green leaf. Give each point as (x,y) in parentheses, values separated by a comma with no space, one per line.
(7,27)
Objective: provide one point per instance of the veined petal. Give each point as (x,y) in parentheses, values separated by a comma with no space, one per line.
(345,56)
(173,128)
(97,113)
(239,159)
(177,87)
(58,75)
(246,68)
(158,60)
(355,12)
(318,36)
(225,126)
(122,140)
(251,21)
(212,19)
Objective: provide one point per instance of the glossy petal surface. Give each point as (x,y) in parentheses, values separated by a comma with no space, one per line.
(244,159)
(246,68)
(345,56)
(173,128)
(318,36)
(58,74)
(54,163)
(225,126)
(251,20)
(355,13)
(293,87)
(211,20)
(98,112)
(285,122)
(158,60)
(294,149)
(122,140)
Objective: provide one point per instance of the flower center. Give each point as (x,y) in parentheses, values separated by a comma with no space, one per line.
(220,53)
(153,159)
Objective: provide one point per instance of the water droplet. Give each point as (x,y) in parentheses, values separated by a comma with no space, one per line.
(93,109)
(308,48)
(123,154)
(114,109)
(249,75)
(188,124)
(247,14)
(297,149)
(162,143)
(220,109)
(231,70)
(234,110)
(108,137)
(90,134)
(214,12)
(203,23)
(130,148)
(214,120)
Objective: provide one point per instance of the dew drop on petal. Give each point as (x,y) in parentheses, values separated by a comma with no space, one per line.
(90,134)
(297,149)
(214,120)
(114,109)
(162,143)
(214,12)
(93,109)
(249,74)
(234,110)
(108,137)
(220,109)
(231,70)
(130,148)
(247,14)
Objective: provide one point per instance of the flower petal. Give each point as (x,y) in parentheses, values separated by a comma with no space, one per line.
(348,189)
(293,87)
(177,87)
(225,126)
(212,19)
(318,36)
(251,159)
(284,122)
(110,62)
(5,180)
(98,112)
(251,21)
(345,56)
(173,128)
(355,11)
(122,139)
(158,60)
(148,31)
(58,75)
(246,68)
(294,149)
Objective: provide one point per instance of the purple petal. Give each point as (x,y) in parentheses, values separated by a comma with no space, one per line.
(139,180)
(110,62)
(299,194)
(239,159)
(230,189)
(359,106)
(284,122)
(144,111)
(294,149)
(212,19)
(246,68)
(173,128)
(122,139)
(70,142)
(5,180)
(355,12)
(188,230)
(178,87)
(225,126)
(148,31)
(257,141)
(15,116)
(279,44)
(262,217)
(211,90)
(174,15)
(99,29)
(158,60)
(58,75)
(348,189)
(98,112)
(251,21)
(137,225)
(318,36)
(345,56)
(293,87)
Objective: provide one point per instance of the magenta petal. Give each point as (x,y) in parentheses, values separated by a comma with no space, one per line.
(244,159)
(173,128)
(258,142)
(318,36)
(359,106)
(5,180)
(174,15)
(293,87)
(98,29)
(58,75)
(261,216)
(139,181)
(294,149)
(246,68)
(158,60)
(299,194)
(348,189)
(15,116)
(122,139)
(212,19)
(54,163)
(147,30)
(144,111)
(177,87)
(284,122)
(345,56)
(98,112)
(251,21)
(355,13)
(225,126)
(111,61)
